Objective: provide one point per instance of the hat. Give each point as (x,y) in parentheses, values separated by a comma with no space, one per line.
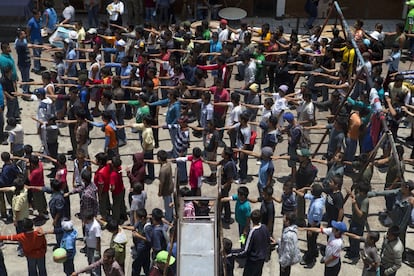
(254,87)
(224,21)
(284,88)
(410,3)
(53,69)
(183,120)
(120,42)
(73,35)
(303,84)
(92,31)
(162,257)
(339,225)
(288,116)
(303,152)
(40,91)
(267,152)
(67,225)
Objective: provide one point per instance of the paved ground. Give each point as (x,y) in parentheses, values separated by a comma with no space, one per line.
(17,265)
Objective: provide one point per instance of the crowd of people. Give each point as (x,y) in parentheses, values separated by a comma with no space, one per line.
(268,89)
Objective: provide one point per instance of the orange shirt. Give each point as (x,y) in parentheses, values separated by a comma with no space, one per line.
(354,124)
(34,246)
(110,132)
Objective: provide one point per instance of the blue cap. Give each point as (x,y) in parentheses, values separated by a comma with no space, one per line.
(339,225)
(41,91)
(288,116)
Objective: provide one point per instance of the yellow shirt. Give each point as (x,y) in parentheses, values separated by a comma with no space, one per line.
(20,204)
(148,141)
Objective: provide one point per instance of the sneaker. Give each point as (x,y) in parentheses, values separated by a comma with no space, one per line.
(121,143)
(20,253)
(258,162)
(83,250)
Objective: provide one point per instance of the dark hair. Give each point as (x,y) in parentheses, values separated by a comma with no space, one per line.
(185,191)
(86,176)
(256,216)
(291,217)
(5,156)
(157,214)
(81,113)
(235,97)
(107,95)
(55,185)
(33,159)
(102,158)
(107,116)
(394,230)
(141,213)
(244,191)
(137,188)
(268,190)
(317,190)
(116,161)
(110,253)
(227,245)
(28,149)
(61,158)
(162,155)
(112,225)
(197,152)
(374,235)
(46,75)
(228,151)
(27,224)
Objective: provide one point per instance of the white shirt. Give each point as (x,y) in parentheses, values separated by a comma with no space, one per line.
(235,112)
(223,35)
(333,248)
(306,111)
(279,105)
(92,231)
(69,13)
(114,10)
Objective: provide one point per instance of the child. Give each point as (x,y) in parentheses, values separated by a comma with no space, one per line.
(108,263)
(189,209)
(16,137)
(196,170)
(315,213)
(80,164)
(118,241)
(118,191)
(332,259)
(228,245)
(369,254)
(139,196)
(242,209)
(68,243)
(93,241)
(288,199)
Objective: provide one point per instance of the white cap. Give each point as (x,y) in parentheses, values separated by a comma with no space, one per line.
(120,42)
(67,225)
(92,31)
(73,35)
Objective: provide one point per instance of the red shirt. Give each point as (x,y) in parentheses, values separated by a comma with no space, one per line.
(61,176)
(219,97)
(116,181)
(34,246)
(36,177)
(102,177)
(196,171)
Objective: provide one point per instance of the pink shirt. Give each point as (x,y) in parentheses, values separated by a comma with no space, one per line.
(220,97)
(196,172)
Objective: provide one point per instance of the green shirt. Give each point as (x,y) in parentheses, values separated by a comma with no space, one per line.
(141,111)
(410,21)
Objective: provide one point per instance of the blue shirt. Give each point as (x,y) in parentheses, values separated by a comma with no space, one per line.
(6,60)
(34,27)
(124,71)
(266,168)
(51,23)
(316,208)
(173,111)
(242,210)
(68,241)
(23,54)
(1,98)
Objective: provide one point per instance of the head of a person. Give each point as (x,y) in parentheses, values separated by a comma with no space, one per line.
(89,217)
(288,187)
(393,232)
(266,153)
(86,176)
(227,153)
(316,190)
(243,193)
(33,161)
(162,156)
(338,227)
(55,185)
(36,14)
(142,214)
(197,152)
(27,225)
(210,125)
(101,158)
(373,237)
(106,117)
(407,187)
(137,188)
(109,254)
(5,156)
(67,225)
(228,245)
(185,192)
(157,215)
(5,47)
(268,103)
(112,226)
(336,183)
(338,157)
(267,193)
(28,149)
(289,219)
(398,81)
(162,258)
(255,217)
(303,154)
(289,117)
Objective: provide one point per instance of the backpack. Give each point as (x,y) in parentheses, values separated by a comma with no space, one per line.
(303,142)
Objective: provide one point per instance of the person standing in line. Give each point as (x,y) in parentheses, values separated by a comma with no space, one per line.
(92,6)
(34,26)
(23,58)
(115,11)
(391,252)
(256,248)
(68,13)
(288,250)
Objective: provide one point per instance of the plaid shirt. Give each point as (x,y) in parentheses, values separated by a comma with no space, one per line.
(89,201)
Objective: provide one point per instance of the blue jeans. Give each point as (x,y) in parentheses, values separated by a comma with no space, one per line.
(168,209)
(148,15)
(37,52)
(90,254)
(351,147)
(93,18)
(357,229)
(36,267)
(25,73)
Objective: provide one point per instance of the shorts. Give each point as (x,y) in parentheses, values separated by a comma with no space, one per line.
(293,156)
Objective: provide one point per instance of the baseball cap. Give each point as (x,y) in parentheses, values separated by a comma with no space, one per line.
(92,31)
(288,116)
(53,69)
(223,21)
(73,35)
(41,91)
(254,87)
(284,88)
(303,152)
(267,152)
(339,225)
(120,42)
(162,257)
(67,225)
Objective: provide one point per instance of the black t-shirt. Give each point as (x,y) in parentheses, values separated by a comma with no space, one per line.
(305,175)
(334,202)
(229,171)
(267,209)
